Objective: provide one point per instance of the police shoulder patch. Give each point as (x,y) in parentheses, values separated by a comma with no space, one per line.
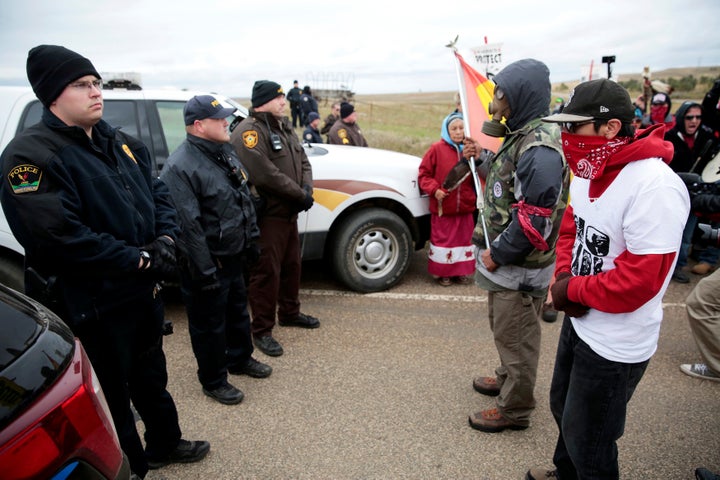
(25,178)
(250,138)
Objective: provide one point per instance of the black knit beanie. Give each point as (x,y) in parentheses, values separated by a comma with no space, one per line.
(263,91)
(51,68)
(346,109)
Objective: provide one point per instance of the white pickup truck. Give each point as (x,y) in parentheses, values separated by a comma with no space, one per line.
(369,214)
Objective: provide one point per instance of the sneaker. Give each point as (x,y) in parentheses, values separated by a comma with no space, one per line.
(699,370)
(702,268)
(225,394)
(302,321)
(680,276)
(269,346)
(487,386)
(539,473)
(252,368)
(492,421)
(185,452)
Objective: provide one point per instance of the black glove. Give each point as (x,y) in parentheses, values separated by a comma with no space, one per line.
(209,283)
(252,254)
(308,201)
(560,299)
(162,257)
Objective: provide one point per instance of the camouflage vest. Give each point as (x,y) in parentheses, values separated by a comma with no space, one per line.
(500,188)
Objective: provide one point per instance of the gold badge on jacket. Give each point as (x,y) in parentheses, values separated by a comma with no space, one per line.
(342,133)
(129,153)
(250,138)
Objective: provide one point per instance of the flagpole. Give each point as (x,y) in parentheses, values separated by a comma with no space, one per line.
(480,202)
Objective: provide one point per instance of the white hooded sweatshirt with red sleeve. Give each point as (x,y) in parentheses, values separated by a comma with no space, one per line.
(619,239)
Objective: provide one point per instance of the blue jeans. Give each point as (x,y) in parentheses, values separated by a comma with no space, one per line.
(588,398)
(219,324)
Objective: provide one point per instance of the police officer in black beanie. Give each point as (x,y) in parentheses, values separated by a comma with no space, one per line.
(281,173)
(98,232)
(346,131)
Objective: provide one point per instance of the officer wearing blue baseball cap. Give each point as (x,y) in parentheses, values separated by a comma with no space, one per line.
(201,107)
(217,242)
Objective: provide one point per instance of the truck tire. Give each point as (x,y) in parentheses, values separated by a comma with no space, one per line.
(371,250)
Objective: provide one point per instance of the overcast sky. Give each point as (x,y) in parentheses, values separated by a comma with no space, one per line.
(369,46)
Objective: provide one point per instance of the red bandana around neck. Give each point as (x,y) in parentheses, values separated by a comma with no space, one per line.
(588,155)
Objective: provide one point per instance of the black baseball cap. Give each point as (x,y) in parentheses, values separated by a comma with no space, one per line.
(600,99)
(201,107)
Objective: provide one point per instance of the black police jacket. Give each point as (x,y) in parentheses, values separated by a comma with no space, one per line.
(208,186)
(81,209)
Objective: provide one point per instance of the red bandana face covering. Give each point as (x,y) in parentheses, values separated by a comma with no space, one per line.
(588,155)
(658,113)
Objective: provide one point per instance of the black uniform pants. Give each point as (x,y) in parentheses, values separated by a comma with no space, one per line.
(125,348)
(219,323)
(297,117)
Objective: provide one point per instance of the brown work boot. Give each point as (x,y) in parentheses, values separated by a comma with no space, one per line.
(702,268)
(487,386)
(492,421)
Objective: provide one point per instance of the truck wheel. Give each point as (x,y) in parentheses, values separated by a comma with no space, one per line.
(371,250)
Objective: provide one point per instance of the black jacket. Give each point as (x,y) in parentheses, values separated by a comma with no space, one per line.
(704,145)
(215,212)
(81,209)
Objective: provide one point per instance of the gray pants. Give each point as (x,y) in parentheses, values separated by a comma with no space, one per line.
(703,309)
(514,322)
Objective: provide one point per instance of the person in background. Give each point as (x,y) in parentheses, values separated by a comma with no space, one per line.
(703,302)
(282,175)
(346,131)
(711,108)
(330,120)
(296,112)
(559,105)
(311,134)
(307,104)
(616,252)
(639,106)
(694,145)
(526,194)
(218,234)
(450,254)
(458,103)
(99,232)
(660,111)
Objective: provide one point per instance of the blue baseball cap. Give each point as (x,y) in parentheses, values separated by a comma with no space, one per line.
(201,107)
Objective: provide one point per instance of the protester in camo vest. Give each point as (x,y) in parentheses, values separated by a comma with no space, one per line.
(525,196)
